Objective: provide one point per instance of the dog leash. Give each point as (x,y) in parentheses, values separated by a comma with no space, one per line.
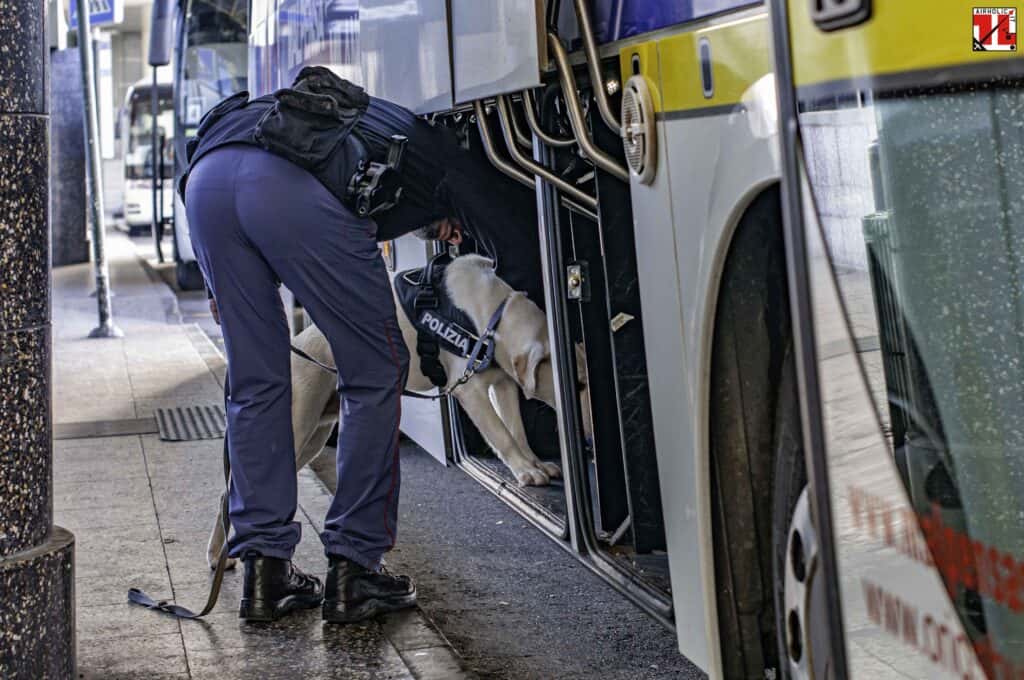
(476,363)
(138,597)
(331,369)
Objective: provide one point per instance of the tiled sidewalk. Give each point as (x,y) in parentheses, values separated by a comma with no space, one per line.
(141,510)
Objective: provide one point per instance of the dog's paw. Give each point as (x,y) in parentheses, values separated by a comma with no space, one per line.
(551,469)
(532,476)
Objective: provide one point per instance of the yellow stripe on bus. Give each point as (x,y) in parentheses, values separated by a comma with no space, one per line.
(900,36)
(740,55)
(647,54)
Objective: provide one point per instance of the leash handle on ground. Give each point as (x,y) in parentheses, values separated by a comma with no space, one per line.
(138,597)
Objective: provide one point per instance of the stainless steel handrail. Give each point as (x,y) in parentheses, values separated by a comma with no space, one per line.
(534,123)
(579,209)
(594,64)
(521,137)
(530,165)
(575,110)
(514,172)
(492,153)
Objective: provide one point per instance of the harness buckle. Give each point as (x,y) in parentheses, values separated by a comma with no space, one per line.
(426,298)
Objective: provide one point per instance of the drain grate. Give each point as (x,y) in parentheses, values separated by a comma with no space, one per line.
(190,423)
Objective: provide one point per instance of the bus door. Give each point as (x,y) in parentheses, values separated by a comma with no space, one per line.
(903,152)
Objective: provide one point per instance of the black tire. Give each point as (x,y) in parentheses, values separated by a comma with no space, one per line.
(188,275)
(790,482)
(751,342)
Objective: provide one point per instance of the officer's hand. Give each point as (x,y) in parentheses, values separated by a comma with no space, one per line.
(214,311)
(449,229)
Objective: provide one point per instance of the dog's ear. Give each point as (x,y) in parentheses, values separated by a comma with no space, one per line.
(526,364)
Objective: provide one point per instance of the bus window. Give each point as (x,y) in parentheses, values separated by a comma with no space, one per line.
(138,160)
(213,62)
(137,132)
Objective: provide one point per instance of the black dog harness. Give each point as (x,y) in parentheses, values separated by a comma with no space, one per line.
(438,323)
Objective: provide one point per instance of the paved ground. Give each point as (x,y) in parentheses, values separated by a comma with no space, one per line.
(141,509)
(513,604)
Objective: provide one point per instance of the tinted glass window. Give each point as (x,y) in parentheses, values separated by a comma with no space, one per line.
(917,237)
(213,62)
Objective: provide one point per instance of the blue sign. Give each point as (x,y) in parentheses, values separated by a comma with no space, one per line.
(101,12)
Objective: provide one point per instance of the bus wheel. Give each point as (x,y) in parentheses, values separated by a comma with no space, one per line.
(800,626)
(188,275)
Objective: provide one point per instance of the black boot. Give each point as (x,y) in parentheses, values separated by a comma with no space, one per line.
(273,587)
(355,593)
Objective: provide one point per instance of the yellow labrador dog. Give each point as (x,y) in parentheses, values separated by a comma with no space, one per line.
(522,360)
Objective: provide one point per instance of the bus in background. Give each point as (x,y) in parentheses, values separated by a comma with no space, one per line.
(211,63)
(137,122)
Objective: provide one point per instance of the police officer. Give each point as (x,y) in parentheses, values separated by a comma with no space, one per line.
(272,195)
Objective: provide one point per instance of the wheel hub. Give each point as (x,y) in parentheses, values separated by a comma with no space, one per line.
(799,583)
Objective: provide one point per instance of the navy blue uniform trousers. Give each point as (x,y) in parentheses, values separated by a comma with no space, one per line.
(256,219)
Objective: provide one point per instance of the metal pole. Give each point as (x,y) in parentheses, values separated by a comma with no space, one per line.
(94,175)
(158,226)
(162,139)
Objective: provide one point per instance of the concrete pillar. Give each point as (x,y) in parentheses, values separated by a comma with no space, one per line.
(37,623)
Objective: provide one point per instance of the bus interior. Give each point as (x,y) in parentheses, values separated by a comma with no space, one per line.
(613,494)
(608,505)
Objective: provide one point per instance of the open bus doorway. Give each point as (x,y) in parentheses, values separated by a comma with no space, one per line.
(606,505)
